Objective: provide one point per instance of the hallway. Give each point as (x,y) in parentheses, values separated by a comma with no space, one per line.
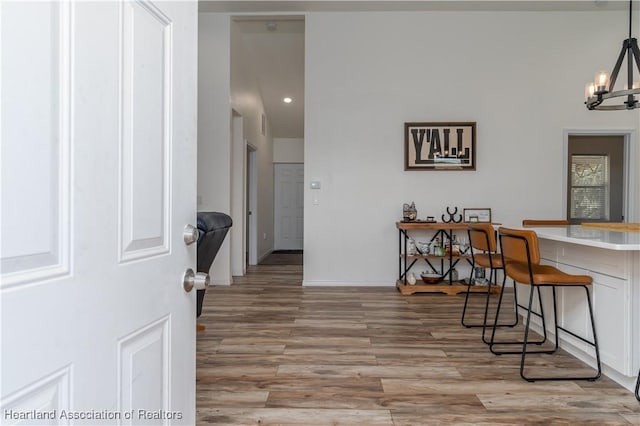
(275,352)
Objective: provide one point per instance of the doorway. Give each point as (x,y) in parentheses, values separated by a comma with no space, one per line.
(596,178)
(288,206)
(251,217)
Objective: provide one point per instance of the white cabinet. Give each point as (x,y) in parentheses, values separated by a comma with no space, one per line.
(612,297)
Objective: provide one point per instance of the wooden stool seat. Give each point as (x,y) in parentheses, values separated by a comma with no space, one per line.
(544,274)
(488,260)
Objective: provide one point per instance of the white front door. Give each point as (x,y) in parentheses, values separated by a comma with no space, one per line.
(289,206)
(98,131)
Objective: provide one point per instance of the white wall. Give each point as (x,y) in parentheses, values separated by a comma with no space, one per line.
(246,99)
(519,75)
(214,129)
(288,150)
(227,82)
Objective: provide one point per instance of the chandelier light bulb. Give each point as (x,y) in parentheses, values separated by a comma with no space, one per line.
(589,90)
(605,97)
(601,82)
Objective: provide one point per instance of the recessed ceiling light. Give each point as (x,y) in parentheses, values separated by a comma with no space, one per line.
(287,100)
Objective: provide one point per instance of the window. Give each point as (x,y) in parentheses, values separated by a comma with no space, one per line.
(595,178)
(589,187)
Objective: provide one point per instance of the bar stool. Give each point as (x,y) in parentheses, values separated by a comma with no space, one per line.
(483,239)
(521,258)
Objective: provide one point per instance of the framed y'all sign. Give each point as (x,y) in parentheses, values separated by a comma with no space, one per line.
(440,146)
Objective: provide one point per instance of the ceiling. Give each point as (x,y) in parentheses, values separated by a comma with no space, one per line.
(276,45)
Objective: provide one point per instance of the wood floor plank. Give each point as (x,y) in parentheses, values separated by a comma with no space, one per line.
(367,371)
(476,387)
(415,418)
(294,416)
(276,353)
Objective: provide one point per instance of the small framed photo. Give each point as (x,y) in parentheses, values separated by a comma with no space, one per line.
(477,215)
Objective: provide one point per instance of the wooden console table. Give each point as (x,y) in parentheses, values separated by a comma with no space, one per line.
(406,261)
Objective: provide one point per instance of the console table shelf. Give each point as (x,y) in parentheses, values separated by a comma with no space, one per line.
(447,262)
(454,288)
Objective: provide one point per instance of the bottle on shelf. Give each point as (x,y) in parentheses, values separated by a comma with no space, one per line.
(455,246)
(411,247)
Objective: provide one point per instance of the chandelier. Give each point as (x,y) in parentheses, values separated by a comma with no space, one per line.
(601,91)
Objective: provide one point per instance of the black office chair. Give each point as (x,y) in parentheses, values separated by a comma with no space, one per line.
(212,228)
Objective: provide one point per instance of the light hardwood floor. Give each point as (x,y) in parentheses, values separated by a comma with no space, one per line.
(277,353)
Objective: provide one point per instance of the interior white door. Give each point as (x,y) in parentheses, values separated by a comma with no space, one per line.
(98,128)
(289,206)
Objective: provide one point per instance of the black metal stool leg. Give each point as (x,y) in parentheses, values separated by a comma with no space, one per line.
(638,387)
(466,302)
(526,334)
(530,311)
(486,309)
(466,299)
(557,329)
(493,275)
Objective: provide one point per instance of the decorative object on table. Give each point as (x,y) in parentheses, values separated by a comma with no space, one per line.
(409,211)
(464,245)
(455,246)
(437,249)
(602,89)
(454,217)
(431,219)
(411,279)
(454,274)
(440,146)
(424,248)
(479,276)
(431,278)
(477,215)
(411,247)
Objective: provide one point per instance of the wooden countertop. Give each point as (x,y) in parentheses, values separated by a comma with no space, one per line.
(613,226)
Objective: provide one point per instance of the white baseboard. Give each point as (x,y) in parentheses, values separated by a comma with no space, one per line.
(264,256)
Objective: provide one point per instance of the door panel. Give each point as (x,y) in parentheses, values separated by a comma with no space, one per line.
(35,89)
(289,206)
(98,181)
(146,119)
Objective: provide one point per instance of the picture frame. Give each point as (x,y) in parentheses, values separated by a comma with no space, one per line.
(447,146)
(474,215)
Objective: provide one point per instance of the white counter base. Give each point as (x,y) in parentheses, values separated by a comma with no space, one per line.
(612,259)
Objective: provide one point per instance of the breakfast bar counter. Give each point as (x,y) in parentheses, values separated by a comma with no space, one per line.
(612,259)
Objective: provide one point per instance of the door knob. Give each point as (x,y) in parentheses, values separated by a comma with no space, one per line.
(192,280)
(190,234)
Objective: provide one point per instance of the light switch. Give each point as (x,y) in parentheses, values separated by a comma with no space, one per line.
(315,184)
